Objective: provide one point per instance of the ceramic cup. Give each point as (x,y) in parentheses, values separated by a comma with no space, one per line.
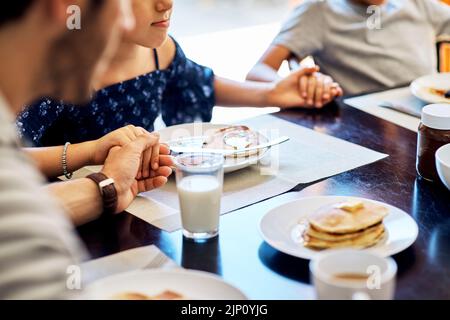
(353,275)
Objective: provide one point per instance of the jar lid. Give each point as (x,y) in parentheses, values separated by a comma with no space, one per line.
(436,116)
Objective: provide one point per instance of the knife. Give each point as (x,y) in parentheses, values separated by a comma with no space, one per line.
(229,152)
(399,108)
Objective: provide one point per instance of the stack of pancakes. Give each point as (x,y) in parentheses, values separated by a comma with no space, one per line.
(345,225)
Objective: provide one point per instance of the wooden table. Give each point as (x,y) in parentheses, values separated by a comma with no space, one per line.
(241,257)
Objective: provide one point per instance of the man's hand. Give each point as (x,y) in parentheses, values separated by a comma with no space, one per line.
(123,163)
(305,87)
(99,149)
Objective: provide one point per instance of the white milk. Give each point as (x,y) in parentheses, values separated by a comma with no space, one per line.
(199,198)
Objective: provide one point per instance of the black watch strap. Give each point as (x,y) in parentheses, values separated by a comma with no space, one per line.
(107,190)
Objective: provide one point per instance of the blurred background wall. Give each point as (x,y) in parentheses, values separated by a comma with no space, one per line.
(194,17)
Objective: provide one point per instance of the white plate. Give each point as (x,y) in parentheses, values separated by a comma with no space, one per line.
(280,225)
(193,285)
(192,130)
(420,87)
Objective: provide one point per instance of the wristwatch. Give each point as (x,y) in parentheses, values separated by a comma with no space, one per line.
(107,190)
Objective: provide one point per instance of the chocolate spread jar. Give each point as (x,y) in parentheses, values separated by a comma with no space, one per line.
(434,132)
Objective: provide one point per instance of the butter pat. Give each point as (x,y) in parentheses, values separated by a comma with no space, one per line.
(352,206)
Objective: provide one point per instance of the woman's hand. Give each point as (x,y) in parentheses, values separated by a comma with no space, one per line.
(100,148)
(305,87)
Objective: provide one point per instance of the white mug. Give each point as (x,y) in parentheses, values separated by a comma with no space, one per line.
(348,274)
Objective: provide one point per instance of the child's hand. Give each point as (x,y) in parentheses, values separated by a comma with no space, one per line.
(318,89)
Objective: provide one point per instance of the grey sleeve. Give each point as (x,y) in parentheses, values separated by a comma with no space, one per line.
(438,15)
(37,242)
(303,31)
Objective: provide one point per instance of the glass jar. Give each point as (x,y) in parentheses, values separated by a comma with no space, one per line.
(434,132)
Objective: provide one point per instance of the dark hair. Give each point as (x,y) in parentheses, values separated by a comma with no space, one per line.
(12,10)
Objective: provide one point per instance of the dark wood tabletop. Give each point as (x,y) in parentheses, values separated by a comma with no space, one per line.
(241,257)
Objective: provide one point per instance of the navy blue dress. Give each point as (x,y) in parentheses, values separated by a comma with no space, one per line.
(182,93)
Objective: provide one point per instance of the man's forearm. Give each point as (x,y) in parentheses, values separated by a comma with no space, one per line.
(80,198)
(49,160)
(263,73)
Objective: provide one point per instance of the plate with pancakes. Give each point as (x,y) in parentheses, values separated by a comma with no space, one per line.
(160,284)
(307,226)
(218,136)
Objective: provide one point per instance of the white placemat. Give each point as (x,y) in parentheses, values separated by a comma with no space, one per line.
(401,97)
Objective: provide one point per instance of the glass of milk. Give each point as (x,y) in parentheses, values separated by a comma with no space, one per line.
(199,184)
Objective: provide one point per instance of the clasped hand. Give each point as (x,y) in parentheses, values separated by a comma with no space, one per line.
(136,161)
(306,87)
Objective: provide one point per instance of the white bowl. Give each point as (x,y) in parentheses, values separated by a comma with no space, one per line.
(443,164)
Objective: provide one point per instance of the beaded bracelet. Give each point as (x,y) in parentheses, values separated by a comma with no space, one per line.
(67,174)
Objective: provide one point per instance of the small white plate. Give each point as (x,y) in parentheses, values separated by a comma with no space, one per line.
(420,87)
(192,133)
(192,285)
(280,227)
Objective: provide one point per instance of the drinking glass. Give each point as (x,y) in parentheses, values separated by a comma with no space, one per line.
(199,179)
